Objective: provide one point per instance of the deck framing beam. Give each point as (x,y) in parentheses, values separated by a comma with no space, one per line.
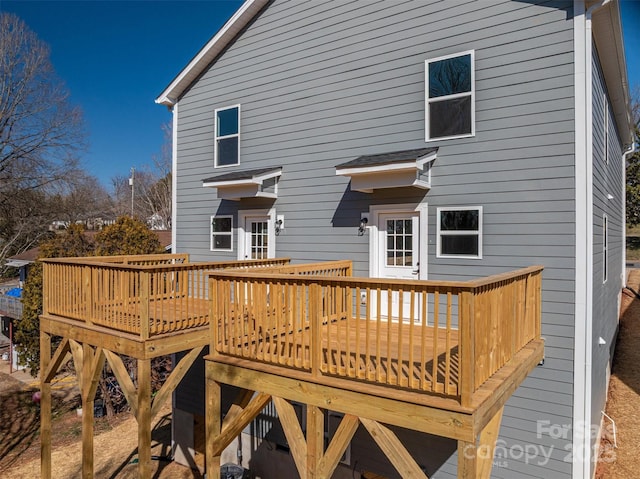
(90,347)
(125,343)
(476,432)
(432,420)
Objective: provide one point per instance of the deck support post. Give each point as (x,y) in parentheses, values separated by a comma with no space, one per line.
(213,427)
(45,407)
(144,417)
(48,368)
(315,440)
(476,459)
(87,413)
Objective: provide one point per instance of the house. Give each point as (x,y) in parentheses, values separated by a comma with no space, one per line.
(430,140)
(425,140)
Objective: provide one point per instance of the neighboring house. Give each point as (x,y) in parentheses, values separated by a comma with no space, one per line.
(156,222)
(95,223)
(431,140)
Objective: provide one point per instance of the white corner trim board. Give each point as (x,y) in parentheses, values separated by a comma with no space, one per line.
(583,342)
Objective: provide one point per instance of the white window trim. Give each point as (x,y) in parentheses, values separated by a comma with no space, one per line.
(242,219)
(457,95)
(216,137)
(440,233)
(211,232)
(605,248)
(373,220)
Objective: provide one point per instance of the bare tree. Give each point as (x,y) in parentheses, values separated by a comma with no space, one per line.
(83,199)
(24,218)
(121,195)
(161,193)
(152,189)
(41,133)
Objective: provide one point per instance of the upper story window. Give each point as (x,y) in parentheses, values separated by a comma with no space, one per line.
(227,138)
(605,128)
(450,97)
(459,232)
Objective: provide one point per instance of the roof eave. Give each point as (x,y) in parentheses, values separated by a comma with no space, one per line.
(253,179)
(208,53)
(608,35)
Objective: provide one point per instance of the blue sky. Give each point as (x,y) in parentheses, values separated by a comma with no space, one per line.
(116,57)
(630,10)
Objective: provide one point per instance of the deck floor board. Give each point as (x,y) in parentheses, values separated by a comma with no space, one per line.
(347,353)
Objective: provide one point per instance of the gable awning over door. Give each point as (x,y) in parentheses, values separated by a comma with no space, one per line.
(259,183)
(390,170)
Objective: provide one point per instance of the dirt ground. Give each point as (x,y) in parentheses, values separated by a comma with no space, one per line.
(623,403)
(115,441)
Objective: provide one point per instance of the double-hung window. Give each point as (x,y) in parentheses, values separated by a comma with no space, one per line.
(605,248)
(221,233)
(605,127)
(227,136)
(459,231)
(450,97)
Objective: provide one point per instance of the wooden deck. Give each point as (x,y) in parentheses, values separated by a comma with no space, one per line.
(99,308)
(442,338)
(440,357)
(437,357)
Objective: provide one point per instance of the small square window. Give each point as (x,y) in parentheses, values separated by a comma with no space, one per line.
(227,136)
(450,97)
(221,233)
(459,231)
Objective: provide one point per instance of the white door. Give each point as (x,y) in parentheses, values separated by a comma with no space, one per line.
(399,245)
(399,257)
(256,237)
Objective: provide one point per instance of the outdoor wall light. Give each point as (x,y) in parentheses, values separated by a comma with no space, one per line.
(278,226)
(362,227)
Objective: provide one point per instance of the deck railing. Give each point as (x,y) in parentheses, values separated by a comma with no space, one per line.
(323,268)
(141,259)
(142,295)
(438,337)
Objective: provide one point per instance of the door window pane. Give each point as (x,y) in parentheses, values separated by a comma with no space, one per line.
(259,239)
(399,242)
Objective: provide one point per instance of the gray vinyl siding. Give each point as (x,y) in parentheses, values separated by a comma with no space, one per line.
(607,180)
(321,83)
